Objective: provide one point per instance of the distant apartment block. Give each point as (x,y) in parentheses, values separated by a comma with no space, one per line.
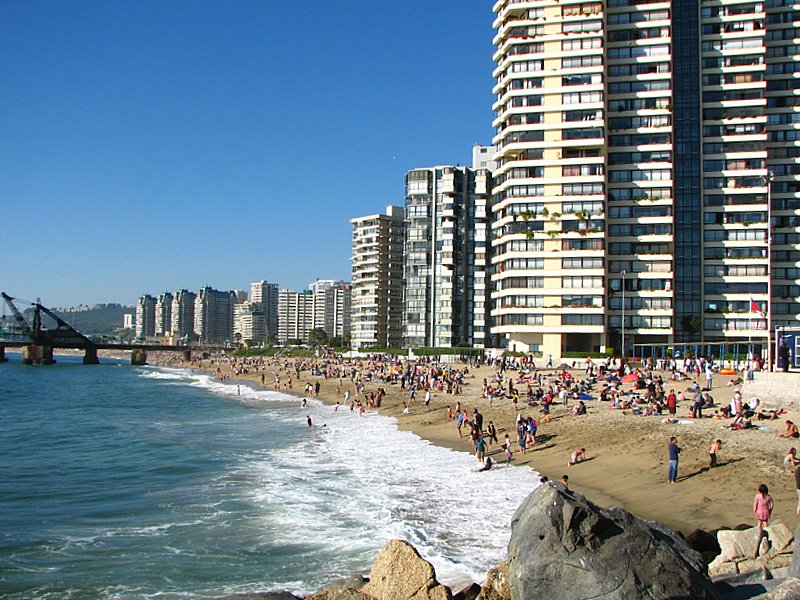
(377,282)
(249,325)
(182,326)
(266,294)
(146,316)
(213,316)
(446,270)
(163,315)
(483,157)
(295,315)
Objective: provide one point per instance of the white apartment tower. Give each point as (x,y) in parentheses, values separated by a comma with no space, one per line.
(639,144)
(446,297)
(163,314)
(377,283)
(213,316)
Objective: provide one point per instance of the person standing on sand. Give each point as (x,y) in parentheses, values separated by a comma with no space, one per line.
(762,508)
(480,448)
(713,449)
(797,487)
(674,451)
(672,403)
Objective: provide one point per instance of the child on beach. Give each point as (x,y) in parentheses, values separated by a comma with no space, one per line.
(791,459)
(762,508)
(712,453)
(577,456)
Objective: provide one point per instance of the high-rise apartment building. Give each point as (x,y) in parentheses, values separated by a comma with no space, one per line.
(446,295)
(266,294)
(635,142)
(249,325)
(338,310)
(163,314)
(295,315)
(377,283)
(213,316)
(182,325)
(146,316)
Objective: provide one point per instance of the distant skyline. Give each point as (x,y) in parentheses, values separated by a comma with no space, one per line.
(153,146)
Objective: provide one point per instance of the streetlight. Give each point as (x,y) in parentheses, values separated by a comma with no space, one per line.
(769,178)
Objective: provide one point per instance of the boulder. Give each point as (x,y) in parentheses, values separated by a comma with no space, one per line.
(400,573)
(788,590)
(736,544)
(468,593)
(780,537)
(345,593)
(702,541)
(563,546)
(496,586)
(794,567)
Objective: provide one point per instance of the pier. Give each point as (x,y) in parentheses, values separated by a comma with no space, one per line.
(38,342)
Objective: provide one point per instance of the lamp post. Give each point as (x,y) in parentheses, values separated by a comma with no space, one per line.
(622,349)
(769,269)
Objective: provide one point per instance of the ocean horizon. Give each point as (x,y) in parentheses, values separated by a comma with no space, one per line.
(123,482)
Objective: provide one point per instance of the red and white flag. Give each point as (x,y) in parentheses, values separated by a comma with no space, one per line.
(754,307)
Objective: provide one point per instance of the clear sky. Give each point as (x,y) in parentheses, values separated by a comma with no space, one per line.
(148,146)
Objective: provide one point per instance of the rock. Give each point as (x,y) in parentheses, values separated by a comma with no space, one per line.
(788,590)
(496,586)
(468,593)
(344,593)
(400,573)
(563,546)
(703,541)
(736,544)
(794,567)
(260,596)
(780,537)
(719,567)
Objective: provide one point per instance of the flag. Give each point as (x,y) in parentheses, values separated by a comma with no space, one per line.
(754,307)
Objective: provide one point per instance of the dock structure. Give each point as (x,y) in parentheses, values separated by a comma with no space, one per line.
(38,342)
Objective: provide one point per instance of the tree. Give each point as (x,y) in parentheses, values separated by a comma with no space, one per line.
(692,324)
(317,337)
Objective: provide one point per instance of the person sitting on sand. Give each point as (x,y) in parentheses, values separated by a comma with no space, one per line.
(791,459)
(579,408)
(578,456)
(487,464)
(791,430)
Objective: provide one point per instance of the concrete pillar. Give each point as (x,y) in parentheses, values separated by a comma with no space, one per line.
(187,355)
(37,355)
(3,354)
(90,358)
(138,357)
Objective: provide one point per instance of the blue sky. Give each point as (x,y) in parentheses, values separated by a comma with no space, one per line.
(151,146)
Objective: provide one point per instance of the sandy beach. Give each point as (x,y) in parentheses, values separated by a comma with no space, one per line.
(627,454)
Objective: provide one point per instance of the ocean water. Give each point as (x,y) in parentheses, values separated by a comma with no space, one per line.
(129,482)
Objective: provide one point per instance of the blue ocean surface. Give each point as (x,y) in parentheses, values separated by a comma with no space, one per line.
(129,482)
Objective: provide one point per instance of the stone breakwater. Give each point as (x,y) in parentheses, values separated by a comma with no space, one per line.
(564,546)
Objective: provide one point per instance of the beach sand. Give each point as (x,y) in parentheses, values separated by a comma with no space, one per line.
(627,454)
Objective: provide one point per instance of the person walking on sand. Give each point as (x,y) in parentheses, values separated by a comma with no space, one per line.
(674,450)
(713,449)
(762,508)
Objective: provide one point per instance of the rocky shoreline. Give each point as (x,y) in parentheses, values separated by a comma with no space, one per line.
(565,546)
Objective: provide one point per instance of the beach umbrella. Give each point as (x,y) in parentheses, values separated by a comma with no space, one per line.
(630,377)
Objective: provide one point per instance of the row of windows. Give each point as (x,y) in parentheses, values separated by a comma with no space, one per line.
(720,252)
(640,303)
(637,248)
(581,61)
(638,17)
(520,301)
(630,104)
(581,189)
(637,212)
(725,11)
(636,122)
(625,176)
(515,283)
(582,170)
(639,157)
(524,319)
(639,229)
(638,51)
(582,206)
(582,244)
(641,322)
(734,235)
(582,263)
(718,62)
(521,246)
(738,164)
(624,35)
(711,183)
(634,194)
(735,270)
(786,273)
(582,43)
(639,139)
(580,319)
(640,266)
(521,264)
(628,87)
(737,218)
(638,69)
(582,282)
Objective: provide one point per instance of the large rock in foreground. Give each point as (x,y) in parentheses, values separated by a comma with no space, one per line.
(563,546)
(400,573)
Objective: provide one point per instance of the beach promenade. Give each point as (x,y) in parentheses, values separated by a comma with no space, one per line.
(627,453)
